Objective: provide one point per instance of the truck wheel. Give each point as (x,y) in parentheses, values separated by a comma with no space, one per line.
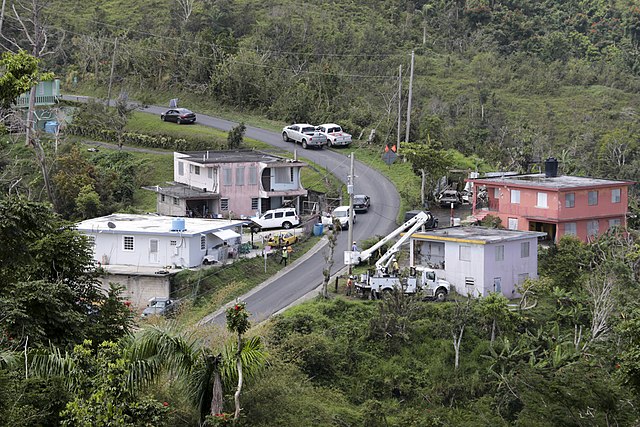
(286,225)
(285,137)
(304,144)
(441,295)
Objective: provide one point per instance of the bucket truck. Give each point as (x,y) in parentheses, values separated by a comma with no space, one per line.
(420,279)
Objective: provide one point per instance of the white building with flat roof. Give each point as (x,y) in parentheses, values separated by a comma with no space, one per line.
(478,260)
(158,241)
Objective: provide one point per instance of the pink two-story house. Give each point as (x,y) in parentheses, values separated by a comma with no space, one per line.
(556,205)
(237,183)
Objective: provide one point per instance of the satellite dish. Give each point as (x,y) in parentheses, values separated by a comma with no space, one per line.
(111,225)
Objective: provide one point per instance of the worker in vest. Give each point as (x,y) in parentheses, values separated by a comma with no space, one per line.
(285,256)
(349,285)
(395,268)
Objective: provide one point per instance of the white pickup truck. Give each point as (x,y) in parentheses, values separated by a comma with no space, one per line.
(305,134)
(336,137)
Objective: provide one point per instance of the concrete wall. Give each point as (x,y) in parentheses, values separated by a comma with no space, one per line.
(511,268)
(139,288)
(457,271)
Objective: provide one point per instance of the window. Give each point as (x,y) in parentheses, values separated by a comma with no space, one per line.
(291,173)
(173,242)
(282,176)
(593,227)
(614,222)
(226,176)
(569,200)
(196,170)
(176,201)
(465,253)
(255,203)
(570,228)
(162,197)
(180,168)
(253,175)
(524,250)
(522,277)
(470,284)
(593,198)
(615,195)
(224,204)
(496,193)
(542,200)
(127,243)
(203,243)
(279,215)
(240,176)
(210,172)
(515,196)
(513,223)
(500,253)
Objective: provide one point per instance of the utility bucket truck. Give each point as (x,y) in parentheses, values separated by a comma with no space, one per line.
(420,280)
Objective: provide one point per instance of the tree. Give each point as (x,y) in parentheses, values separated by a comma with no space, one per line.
(235,137)
(494,310)
(238,323)
(19,72)
(429,163)
(332,239)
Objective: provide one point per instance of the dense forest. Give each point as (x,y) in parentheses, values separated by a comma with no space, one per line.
(504,83)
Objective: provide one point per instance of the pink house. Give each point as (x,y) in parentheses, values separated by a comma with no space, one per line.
(556,205)
(237,183)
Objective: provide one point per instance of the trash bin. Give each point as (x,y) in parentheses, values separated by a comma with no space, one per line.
(318,229)
(51,127)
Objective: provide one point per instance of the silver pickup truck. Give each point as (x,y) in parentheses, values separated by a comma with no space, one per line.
(335,135)
(305,134)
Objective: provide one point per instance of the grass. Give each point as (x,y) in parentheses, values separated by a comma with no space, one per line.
(151,124)
(210,288)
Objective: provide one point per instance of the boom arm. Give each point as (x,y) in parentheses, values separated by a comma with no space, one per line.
(355,257)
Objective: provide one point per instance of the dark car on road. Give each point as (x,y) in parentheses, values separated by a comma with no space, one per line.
(179,115)
(361,203)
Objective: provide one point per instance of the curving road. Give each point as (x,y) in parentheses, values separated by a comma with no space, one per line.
(306,274)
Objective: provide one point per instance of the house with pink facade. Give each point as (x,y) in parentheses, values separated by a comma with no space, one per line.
(238,183)
(555,204)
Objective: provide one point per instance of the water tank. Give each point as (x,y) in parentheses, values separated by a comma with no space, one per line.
(177,224)
(551,167)
(51,127)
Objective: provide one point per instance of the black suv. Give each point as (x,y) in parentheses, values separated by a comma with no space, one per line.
(430,224)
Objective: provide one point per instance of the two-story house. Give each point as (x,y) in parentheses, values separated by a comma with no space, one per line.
(239,183)
(556,205)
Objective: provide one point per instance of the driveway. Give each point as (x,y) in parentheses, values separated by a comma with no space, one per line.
(306,275)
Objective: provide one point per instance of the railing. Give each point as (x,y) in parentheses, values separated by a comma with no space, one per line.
(23,100)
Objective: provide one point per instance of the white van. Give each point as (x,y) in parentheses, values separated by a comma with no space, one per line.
(342,214)
(276,218)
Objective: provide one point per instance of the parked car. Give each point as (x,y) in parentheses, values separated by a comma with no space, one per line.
(305,134)
(361,203)
(276,218)
(178,115)
(282,239)
(336,137)
(162,306)
(342,214)
(447,197)
(430,224)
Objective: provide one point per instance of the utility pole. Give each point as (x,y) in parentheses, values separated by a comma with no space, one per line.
(2,15)
(113,63)
(406,137)
(399,105)
(350,182)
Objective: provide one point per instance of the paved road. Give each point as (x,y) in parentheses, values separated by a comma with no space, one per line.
(305,275)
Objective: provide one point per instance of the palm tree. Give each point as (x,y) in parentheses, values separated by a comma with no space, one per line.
(166,349)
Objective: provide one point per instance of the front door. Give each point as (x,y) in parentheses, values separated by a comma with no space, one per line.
(153,251)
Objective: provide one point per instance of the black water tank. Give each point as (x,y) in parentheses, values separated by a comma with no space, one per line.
(551,167)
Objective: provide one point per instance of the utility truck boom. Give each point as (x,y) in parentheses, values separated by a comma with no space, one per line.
(419,280)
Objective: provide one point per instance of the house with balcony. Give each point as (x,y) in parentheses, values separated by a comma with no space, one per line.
(237,184)
(478,260)
(557,205)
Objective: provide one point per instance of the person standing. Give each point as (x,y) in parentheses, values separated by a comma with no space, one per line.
(289,251)
(349,285)
(285,256)
(354,247)
(395,268)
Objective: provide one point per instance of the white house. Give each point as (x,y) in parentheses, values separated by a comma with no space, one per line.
(479,260)
(158,241)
